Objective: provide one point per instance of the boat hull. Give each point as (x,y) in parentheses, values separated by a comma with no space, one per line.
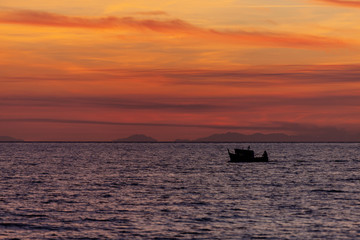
(241,158)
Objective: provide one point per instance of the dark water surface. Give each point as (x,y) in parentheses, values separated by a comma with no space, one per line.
(178,191)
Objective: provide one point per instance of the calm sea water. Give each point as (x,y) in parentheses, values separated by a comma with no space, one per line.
(178,191)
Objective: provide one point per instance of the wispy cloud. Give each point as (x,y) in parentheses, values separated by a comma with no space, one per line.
(221,104)
(74,121)
(343,3)
(130,103)
(172,26)
(28,17)
(249,77)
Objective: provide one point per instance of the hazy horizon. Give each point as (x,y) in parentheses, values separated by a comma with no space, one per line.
(220,137)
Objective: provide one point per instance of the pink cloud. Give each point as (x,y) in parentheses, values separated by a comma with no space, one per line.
(173,26)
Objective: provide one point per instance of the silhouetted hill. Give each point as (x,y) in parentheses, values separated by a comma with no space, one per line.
(136,138)
(238,137)
(9,139)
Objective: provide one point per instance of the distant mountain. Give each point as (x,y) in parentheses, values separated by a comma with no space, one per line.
(9,139)
(136,138)
(238,137)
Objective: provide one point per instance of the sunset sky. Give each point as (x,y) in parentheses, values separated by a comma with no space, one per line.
(101,70)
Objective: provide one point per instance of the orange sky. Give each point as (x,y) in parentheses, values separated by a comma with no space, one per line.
(101,70)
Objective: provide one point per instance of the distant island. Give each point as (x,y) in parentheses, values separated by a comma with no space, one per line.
(233,137)
(136,138)
(9,139)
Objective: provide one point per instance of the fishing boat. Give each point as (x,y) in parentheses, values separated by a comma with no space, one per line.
(247,155)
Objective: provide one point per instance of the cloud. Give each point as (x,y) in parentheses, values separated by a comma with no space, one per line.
(38,18)
(130,103)
(355,4)
(74,121)
(287,75)
(194,105)
(172,26)
(250,77)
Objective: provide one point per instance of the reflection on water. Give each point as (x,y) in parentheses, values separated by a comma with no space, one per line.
(178,191)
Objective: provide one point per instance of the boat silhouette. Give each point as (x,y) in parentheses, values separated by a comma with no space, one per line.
(247,155)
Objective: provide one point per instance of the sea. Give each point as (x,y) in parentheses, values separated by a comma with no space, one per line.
(178,191)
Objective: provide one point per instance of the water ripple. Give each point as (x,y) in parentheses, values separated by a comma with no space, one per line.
(178,191)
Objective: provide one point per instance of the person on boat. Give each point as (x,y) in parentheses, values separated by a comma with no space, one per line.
(249,147)
(265,155)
